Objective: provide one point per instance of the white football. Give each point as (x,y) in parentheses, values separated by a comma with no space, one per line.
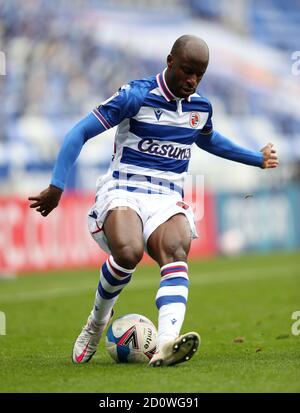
(131,339)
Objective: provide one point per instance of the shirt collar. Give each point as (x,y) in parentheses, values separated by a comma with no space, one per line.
(163,87)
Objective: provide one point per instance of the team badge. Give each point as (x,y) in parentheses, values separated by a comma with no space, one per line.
(183,205)
(194,119)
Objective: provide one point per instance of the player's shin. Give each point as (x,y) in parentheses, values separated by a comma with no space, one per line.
(113,278)
(171,300)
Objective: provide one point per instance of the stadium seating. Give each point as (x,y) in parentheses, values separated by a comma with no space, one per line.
(61,63)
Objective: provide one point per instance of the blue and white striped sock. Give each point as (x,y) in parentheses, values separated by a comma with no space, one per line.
(113,278)
(171,300)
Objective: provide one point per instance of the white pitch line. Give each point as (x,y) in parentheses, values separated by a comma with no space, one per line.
(236,275)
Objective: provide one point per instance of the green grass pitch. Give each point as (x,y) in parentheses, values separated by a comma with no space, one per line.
(250,297)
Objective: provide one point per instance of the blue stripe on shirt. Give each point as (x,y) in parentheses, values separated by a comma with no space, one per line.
(159,102)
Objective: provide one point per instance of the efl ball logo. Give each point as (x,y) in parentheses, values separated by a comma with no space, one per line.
(194,119)
(131,339)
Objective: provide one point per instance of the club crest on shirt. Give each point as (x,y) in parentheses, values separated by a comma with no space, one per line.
(158,113)
(182,204)
(194,119)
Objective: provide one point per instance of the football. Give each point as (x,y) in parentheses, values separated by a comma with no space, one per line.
(131,339)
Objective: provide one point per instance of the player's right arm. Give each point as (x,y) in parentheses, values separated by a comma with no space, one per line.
(48,199)
(123,104)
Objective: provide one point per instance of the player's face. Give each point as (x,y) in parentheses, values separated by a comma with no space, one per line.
(184,74)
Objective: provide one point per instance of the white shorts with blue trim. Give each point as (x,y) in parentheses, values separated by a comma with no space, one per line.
(153,209)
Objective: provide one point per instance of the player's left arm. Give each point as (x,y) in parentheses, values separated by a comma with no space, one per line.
(219,145)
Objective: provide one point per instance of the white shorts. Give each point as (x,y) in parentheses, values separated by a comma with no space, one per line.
(153,209)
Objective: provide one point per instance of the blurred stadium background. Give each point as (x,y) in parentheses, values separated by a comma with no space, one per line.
(61,58)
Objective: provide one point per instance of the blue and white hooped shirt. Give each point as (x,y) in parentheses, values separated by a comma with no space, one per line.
(155,133)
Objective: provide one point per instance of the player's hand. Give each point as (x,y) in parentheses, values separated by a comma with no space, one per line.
(270,156)
(47,200)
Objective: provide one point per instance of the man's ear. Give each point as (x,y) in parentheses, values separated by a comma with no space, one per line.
(170,61)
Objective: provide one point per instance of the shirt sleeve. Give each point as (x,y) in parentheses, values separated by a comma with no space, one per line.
(125,103)
(74,140)
(220,145)
(208,127)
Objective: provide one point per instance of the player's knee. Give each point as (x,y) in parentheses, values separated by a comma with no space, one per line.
(174,252)
(128,256)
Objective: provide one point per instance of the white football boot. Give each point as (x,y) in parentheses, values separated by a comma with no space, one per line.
(86,344)
(176,351)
